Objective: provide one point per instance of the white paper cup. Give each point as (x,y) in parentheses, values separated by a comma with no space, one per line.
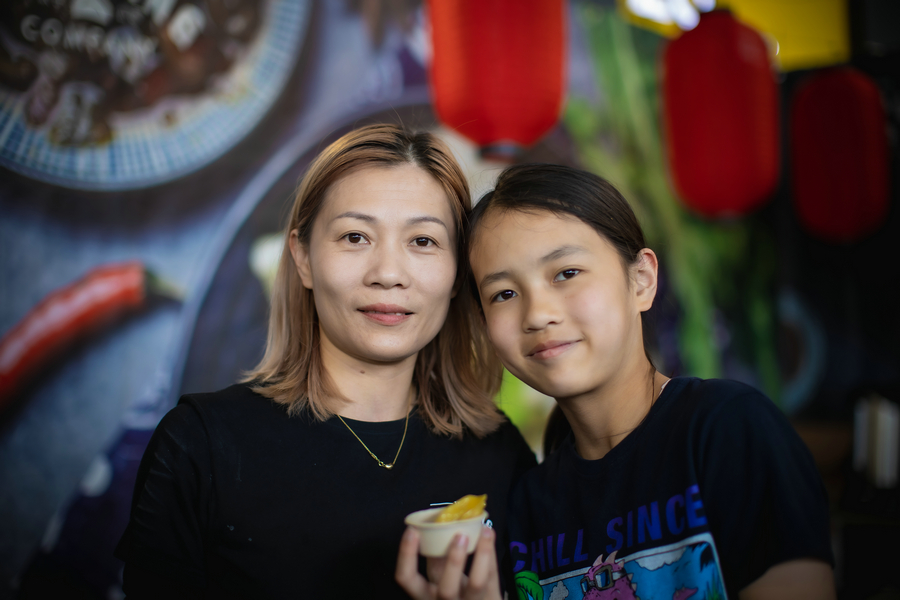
(435,538)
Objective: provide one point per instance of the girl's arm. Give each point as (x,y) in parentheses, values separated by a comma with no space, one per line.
(446,576)
(764,500)
(800,579)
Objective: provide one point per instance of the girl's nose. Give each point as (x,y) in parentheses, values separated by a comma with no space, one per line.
(388,267)
(540,312)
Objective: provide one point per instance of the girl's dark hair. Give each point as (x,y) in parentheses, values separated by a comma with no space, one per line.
(565,191)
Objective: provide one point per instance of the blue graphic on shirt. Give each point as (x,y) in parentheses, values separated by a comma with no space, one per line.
(686,569)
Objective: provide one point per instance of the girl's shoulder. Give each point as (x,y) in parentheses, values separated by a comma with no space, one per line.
(712,390)
(725,413)
(715,398)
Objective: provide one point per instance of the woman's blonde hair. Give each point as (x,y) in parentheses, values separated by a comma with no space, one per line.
(456,374)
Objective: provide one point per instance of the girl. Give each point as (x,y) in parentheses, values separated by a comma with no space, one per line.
(665,488)
(373,399)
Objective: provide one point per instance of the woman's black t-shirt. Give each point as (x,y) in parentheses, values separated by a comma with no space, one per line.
(234,499)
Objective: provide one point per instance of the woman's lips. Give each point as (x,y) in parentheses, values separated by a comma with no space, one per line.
(385,314)
(550,349)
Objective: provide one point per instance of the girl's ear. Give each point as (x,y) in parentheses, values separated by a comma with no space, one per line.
(300,254)
(644,274)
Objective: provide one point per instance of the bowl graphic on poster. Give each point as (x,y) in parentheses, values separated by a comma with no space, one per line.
(117,95)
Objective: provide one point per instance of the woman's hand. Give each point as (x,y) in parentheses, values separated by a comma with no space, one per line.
(446,577)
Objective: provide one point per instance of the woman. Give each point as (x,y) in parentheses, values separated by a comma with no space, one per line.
(373,399)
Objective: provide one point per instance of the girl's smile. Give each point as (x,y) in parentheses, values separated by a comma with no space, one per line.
(562,311)
(551,349)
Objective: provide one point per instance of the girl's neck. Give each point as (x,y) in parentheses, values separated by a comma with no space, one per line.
(373,391)
(603,418)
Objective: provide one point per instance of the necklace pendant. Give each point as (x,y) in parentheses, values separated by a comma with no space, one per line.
(378,461)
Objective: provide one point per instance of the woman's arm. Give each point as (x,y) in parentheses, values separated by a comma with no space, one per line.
(801,579)
(162,546)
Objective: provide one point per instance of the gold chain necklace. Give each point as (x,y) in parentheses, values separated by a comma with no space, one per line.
(380,462)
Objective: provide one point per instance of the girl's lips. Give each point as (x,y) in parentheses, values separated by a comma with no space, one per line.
(386,314)
(550,349)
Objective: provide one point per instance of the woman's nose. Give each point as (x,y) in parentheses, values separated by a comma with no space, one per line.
(540,311)
(388,267)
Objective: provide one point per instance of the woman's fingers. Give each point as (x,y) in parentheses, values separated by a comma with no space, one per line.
(434,568)
(448,573)
(453,579)
(484,579)
(407,573)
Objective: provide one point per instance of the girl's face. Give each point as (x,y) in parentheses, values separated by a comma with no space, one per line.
(381,263)
(562,311)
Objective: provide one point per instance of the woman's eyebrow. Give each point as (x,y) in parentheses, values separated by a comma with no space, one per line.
(410,221)
(427,219)
(356,215)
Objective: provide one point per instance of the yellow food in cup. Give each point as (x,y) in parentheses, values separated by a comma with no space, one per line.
(467,507)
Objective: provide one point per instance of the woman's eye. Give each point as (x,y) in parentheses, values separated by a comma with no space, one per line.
(423,242)
(567,274)
(503,296)
(355,238)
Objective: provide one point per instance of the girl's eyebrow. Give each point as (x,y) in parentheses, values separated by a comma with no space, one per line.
(561,252)
(495,276)
(410,221)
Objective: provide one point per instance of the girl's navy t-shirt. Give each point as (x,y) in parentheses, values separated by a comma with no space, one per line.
(712,489)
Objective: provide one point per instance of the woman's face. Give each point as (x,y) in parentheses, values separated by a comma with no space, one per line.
(381,263)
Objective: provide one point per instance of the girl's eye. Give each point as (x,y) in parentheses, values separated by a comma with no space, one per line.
(355,238)
(423,242)
(503,296)
(567,274)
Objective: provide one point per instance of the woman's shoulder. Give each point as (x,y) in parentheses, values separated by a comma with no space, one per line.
(237,404)
(505,445)
(232,393)
(506,430)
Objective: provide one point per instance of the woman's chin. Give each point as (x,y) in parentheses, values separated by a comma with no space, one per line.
(386,356)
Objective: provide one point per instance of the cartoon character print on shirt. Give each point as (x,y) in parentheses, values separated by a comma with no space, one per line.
(685,570)
(608,579)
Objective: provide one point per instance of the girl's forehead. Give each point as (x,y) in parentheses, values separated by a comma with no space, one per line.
(507,220)
(524,239)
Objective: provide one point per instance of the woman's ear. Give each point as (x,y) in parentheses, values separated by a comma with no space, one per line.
(645,272)
(457,285)
(300,253)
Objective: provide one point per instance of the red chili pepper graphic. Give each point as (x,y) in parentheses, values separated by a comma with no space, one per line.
(68,315)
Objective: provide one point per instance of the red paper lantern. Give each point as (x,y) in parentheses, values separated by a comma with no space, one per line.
(497,69)
(839,155)
(720,112)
